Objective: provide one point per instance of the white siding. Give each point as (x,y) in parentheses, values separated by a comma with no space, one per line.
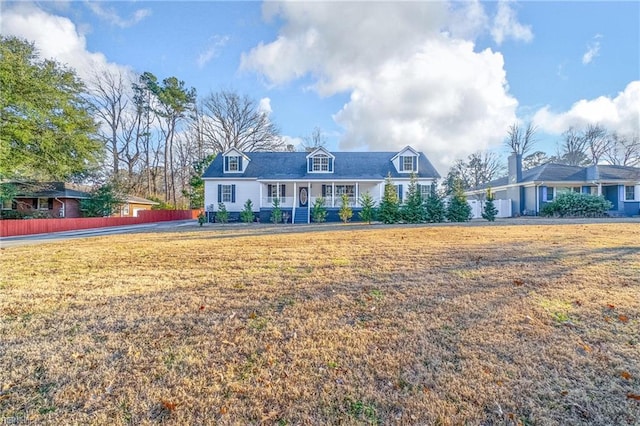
(245,189)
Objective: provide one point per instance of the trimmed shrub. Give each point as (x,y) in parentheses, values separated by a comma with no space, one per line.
(574,204)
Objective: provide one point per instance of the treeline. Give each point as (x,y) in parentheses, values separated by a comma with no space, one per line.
(137,133)
(593,144)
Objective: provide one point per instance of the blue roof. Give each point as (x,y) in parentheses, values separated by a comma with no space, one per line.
(293,165)
(553,172)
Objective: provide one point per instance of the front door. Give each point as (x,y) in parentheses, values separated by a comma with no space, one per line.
(303,197)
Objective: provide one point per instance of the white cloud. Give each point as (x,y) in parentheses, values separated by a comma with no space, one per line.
(264,106)
(411,81)
(110,15)
(55,37)
(506,25)
(620,113)
(593,50)
(218,42)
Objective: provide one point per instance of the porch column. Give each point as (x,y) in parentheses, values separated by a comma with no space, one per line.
(333,194)
(308,207)
(295,202)
(381,187)
(357,194)
(295,195)
(260,203)
(599,188)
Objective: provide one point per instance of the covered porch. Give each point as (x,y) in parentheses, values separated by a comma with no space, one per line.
(297,197)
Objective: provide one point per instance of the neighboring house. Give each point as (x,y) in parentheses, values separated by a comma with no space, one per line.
(297,179)
(531,189)
(133,205)
(60,200)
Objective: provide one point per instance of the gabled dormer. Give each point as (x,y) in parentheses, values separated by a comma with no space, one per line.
(406,161)
(320,161)
(234,161)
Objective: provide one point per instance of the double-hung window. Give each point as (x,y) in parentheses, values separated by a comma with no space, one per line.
(629,193)
(408,163)
(320,163)
(226,193)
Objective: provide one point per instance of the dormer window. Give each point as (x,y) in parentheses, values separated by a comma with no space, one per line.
(234,163)
(408,163)
(320,161)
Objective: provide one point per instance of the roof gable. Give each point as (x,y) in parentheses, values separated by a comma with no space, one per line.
(320,150)
(403,152)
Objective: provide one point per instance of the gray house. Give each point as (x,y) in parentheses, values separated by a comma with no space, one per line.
(529,190)
(297,179)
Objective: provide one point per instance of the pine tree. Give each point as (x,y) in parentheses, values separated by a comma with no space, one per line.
(434,207)
(389,210)
(345,212)
(247,214)
(222,215)
(276,213)
(413,210)
(489,210)
(458,209)
(368,212)
(318,210)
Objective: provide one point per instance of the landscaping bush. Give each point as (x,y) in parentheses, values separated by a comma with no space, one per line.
(458,209)
(434,208)
(276,213)
(345,212)
(368,212)
(319,211)
(222,215)
(574,204)
(247,214)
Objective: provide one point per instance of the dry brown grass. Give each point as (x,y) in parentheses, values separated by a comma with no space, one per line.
(416,325)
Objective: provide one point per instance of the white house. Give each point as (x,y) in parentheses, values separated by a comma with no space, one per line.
(297,179)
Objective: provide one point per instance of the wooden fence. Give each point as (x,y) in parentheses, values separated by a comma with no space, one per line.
(10,227)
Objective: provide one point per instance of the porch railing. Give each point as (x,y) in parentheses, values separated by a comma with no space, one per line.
(284,201)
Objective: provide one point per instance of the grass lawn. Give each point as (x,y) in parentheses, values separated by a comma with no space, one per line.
(491,325)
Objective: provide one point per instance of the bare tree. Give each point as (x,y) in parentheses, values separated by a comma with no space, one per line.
(536,159)
(479,169)
(109,101)
(229,120)
(572,150)
(623,150)
(315,140)
(520,141)
(596,141)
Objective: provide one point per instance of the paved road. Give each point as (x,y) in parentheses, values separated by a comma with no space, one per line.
(23,240)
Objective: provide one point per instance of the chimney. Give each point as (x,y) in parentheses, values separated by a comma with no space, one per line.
(515,168)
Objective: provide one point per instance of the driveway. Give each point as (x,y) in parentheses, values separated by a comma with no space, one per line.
(23,240)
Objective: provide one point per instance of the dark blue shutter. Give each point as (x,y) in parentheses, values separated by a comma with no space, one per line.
(400,193)
(226,164)
(282,191)
(233,193)
(269,189)
(240,163)
(324,191)
(219,193)
(331,165)
(310,165)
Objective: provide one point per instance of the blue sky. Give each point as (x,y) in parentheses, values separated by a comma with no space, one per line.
(444,77)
